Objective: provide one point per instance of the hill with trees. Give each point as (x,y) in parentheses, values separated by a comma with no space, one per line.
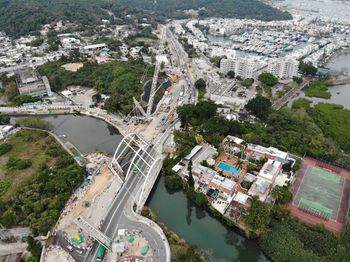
(20,17)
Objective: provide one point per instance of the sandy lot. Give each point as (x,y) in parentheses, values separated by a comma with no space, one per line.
(73,67)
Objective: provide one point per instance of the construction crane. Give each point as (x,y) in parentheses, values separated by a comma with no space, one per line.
(155,75)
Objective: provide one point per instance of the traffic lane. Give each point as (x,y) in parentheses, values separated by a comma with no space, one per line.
(112,228)
(114,214)
(116,203)
(78,255)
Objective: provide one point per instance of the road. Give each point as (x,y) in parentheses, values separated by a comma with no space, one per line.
(121,216)
(284,99)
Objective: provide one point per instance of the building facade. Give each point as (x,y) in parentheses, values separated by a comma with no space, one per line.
(283,68)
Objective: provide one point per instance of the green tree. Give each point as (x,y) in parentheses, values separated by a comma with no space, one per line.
(307,69)
(282,194)
(268,79)
(258,217)
(259,106)
(8,218)
(34,247)
(173,182)
(231,74)
(200,84)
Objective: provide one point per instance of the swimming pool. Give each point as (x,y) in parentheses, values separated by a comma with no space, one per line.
(228,168)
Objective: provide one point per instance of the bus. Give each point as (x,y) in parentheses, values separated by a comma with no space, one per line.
(100,252)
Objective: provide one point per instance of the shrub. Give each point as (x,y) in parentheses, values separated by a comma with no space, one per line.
(4,148)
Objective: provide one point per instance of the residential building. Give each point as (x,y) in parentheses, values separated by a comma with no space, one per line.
(283,68)
(244,67)
(30,82)
(270,170)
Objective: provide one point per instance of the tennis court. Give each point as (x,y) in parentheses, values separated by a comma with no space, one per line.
(320,193)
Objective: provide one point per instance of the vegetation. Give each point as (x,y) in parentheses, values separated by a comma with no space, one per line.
(17,164)
(282,195)
(246,184)
(34,247)
(307,69)
(259,106)
(216,60)
(200,85)
(4,148)
(334,121)
(35,196)
(290,240)
(231,74)
(301,103)
(119,79)
(318,89)
(259,216)
(223,8)
(173,182)
(248,82)
(294,130)
(23,99)
(268,79)
(34,122)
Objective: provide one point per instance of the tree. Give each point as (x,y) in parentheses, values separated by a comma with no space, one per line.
(297,80)
(231,74)
(258,217)
(190,180)
(201,87)
(173,182)
(259,106)
(307,69)
(34,247)
(200,84)
(268,79)
(282,194)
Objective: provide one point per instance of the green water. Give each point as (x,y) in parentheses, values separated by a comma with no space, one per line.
(198,228)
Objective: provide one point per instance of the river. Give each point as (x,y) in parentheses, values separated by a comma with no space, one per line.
(341,93)
(175,211)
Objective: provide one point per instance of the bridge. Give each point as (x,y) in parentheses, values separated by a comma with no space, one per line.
(138,163)
(284,99)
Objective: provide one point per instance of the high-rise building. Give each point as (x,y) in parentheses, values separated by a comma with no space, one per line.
(283,68)
(244,67)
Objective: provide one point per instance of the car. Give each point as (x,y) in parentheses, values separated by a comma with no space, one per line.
(70,248)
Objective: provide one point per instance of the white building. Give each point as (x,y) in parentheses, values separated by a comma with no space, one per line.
(245,67)
(283,68)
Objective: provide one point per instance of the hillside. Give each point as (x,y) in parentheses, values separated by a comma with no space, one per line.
(221,8)
(20,17)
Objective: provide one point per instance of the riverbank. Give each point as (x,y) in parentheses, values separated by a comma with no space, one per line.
(336,54)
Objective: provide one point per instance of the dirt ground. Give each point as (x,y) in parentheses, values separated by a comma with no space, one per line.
(73,67)
(134,248)
(79,208)
(55,254)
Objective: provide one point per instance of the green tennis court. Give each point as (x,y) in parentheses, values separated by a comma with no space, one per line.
(320,193)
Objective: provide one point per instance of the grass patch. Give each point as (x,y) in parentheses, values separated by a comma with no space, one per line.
(301,103)
(318,89)
(25,145)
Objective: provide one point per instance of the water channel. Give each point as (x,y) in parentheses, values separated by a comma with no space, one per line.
(175,211)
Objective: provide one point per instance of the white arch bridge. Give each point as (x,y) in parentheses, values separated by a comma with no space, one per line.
(135,157)
(138,164)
